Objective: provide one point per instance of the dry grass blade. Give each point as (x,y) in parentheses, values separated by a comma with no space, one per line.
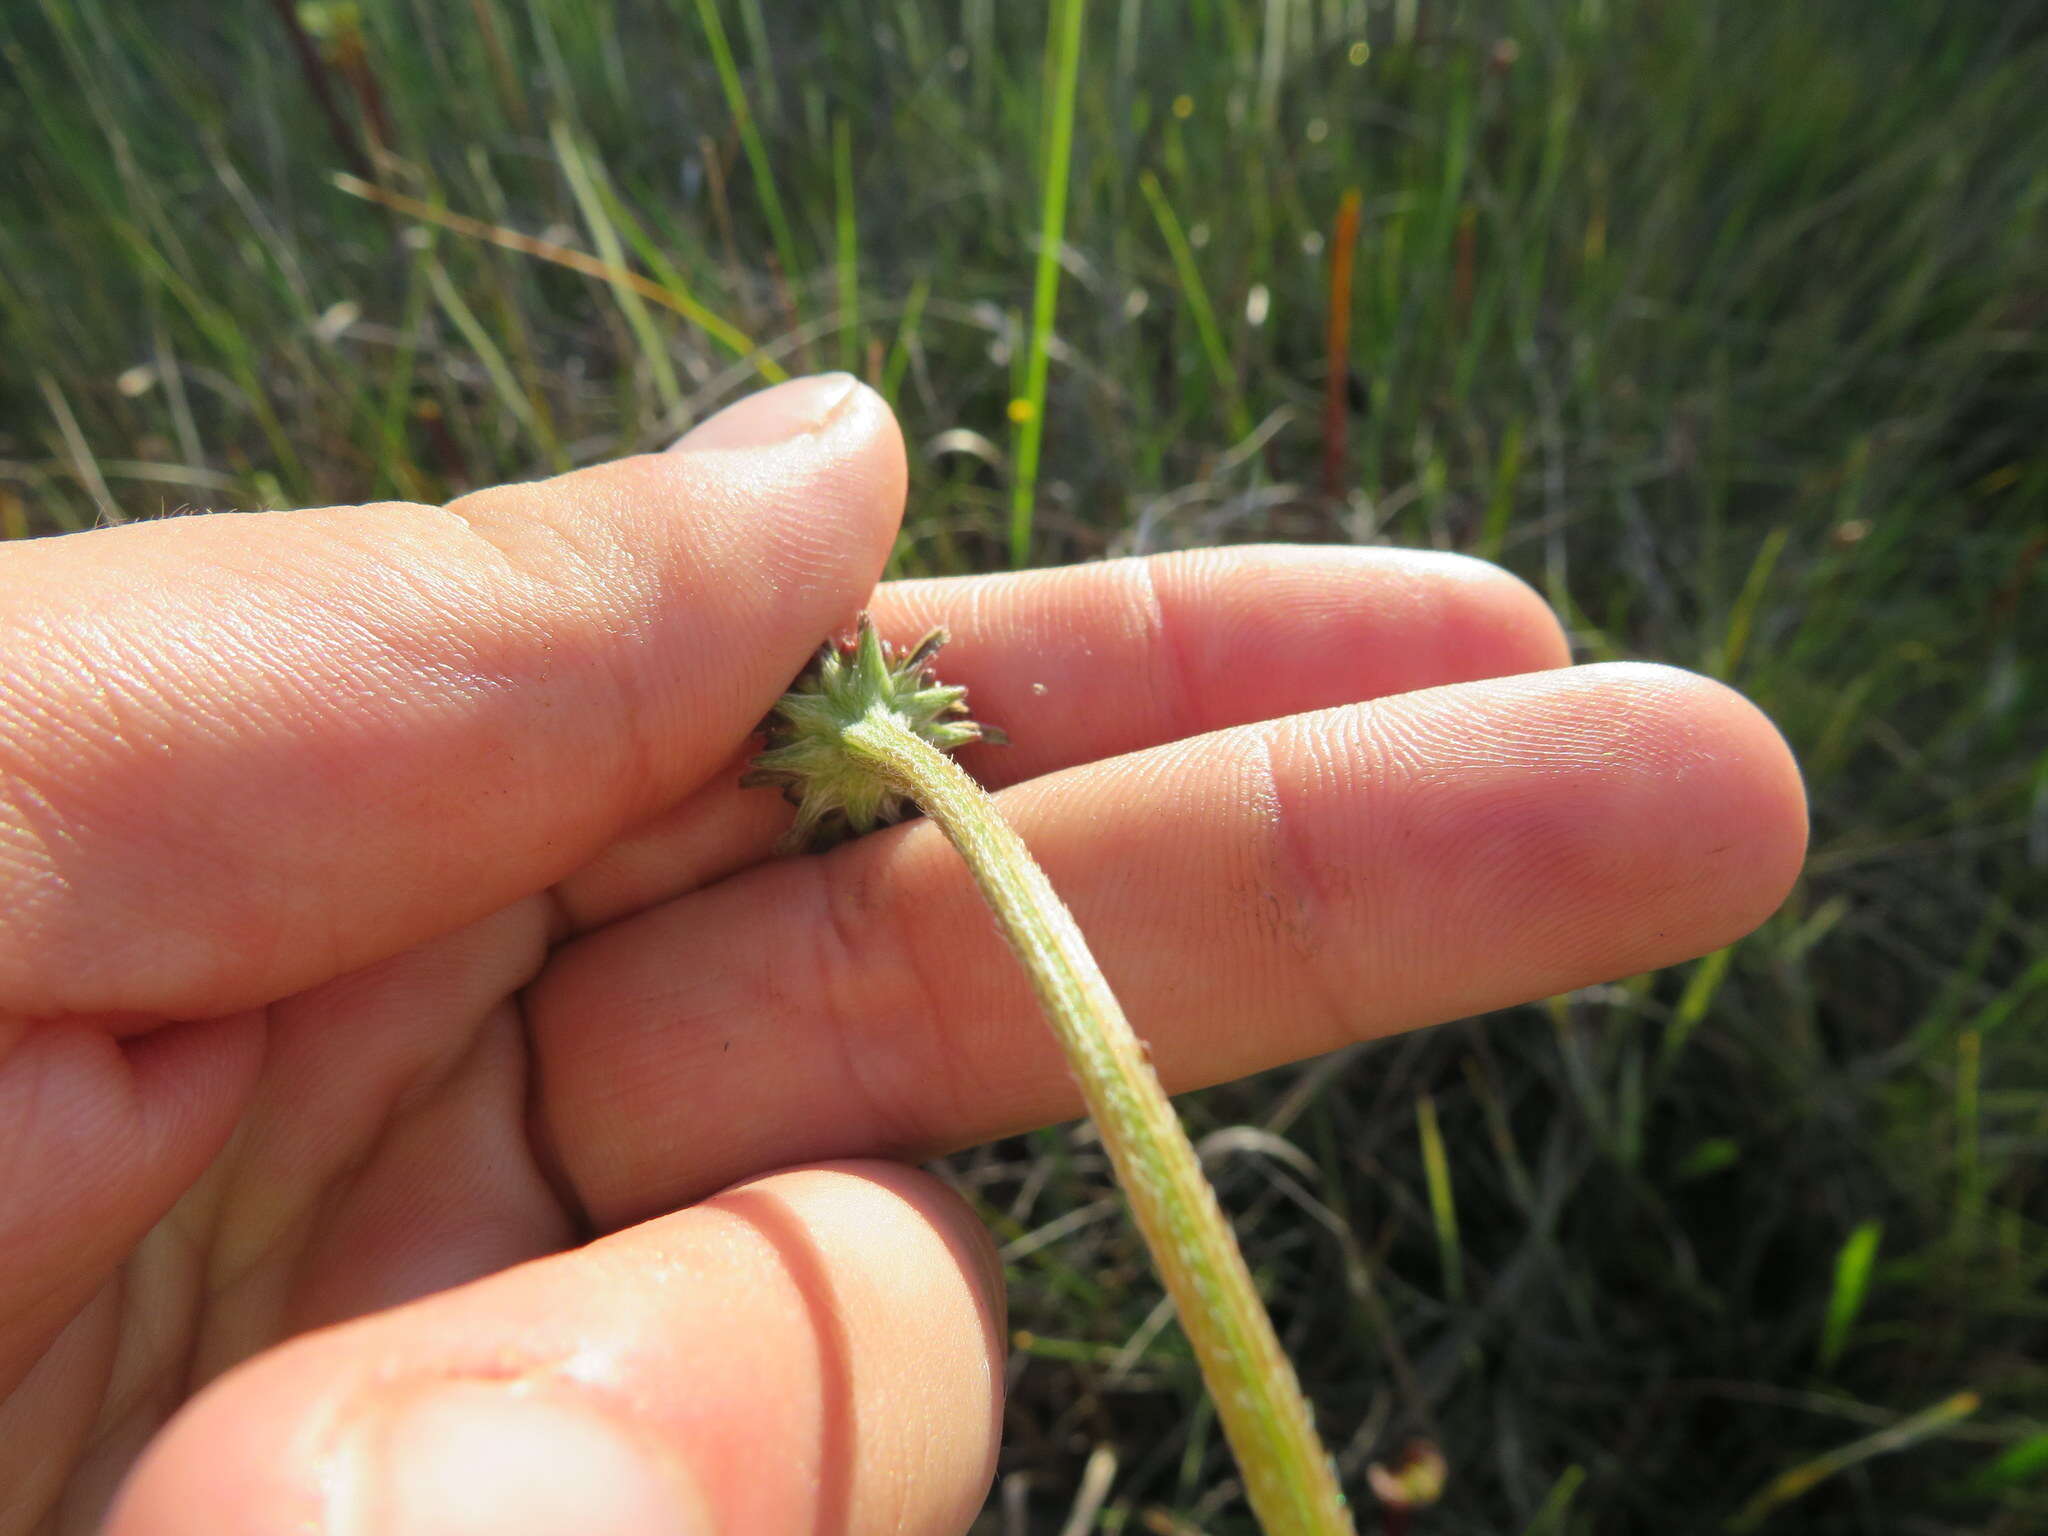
(714,325)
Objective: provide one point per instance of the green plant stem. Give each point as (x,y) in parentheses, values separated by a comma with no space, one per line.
(1291,1484)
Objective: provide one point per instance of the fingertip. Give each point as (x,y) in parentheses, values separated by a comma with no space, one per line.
(863,1195)
(793,493)
(1417,618)
(879,1240)
(1494,622)
(806,483)
(1738,802)
(828,427)
(1665,816)
(772,416)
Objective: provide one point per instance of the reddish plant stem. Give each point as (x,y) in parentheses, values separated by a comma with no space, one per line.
(1337,338)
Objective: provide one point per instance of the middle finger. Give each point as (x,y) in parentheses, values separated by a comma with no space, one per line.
(1089,661)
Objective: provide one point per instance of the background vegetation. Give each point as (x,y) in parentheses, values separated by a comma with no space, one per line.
(1724,324)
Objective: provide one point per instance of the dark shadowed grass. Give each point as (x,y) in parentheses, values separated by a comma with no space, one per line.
(1724,325)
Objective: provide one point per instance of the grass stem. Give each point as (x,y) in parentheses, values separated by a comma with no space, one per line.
(1029,410)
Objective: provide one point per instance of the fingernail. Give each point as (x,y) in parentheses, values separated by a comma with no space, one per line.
(773,415)
(503,1458)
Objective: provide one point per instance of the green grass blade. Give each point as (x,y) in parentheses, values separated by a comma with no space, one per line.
(583,185)
(750,139)
(1550,1515)
(1029,409)
(1199,308)
(756,27)
(848,233)
(906,338)
(1702,985)
(2015,1467)
(1500,503)
(496,369)
(1748,602)
(1443,1208)
(1908,1432)
(676,293)
(1852,1284)
(83,464)
(1969,1209)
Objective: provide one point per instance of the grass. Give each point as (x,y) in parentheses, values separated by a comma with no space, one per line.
(1063,78)
(1724,325)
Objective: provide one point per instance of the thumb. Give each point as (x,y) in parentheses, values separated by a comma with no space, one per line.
(241,754)
(816,1350)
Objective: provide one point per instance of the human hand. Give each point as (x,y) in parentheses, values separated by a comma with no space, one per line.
(402,1023)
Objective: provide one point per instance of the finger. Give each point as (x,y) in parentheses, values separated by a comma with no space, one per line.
(819,1350)
(1090,661)
(240,754)
(1254,896)
(98,1137)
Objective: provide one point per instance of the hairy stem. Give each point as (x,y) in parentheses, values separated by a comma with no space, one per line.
(1290,1481)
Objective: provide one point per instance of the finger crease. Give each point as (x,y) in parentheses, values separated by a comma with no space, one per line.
(851,966)
(1300,890)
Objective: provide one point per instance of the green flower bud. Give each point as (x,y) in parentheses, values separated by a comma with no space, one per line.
(835,796)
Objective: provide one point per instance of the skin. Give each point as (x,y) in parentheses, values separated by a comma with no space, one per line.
(426,1107)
